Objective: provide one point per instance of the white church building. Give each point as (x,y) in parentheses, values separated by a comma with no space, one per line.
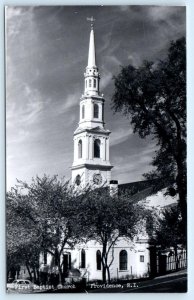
(92,166)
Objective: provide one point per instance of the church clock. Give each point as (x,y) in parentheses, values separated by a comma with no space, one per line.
(97,179)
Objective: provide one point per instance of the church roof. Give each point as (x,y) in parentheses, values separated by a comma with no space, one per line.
(140,190)
(142,194)
(153,190)
(141,186)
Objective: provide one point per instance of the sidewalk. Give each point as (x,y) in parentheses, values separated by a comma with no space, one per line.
(181,272)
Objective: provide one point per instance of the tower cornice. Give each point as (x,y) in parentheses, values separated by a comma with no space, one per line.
(92,167)
(97,130)
(92,97)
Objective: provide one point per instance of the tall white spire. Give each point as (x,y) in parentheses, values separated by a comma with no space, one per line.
(91,53)
(91,164)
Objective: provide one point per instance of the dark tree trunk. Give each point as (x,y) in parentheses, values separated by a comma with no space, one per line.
(29,272)
(108,271)
(103,273)
(60,274)
(34,272)
(59,268)
(104,262)
(181,185)
(37,274)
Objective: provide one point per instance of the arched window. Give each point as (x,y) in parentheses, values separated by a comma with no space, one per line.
(78,179)
(97,148)
(90,82)
(83,258)
(98,260)
(123,260)
(80,149)
(83,111)
(94,83)
(96,110)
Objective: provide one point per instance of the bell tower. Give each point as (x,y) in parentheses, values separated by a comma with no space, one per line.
(91,165)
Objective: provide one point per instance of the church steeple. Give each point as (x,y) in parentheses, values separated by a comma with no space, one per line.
(91,163)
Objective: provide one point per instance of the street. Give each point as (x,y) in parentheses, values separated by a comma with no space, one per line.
(173,283)
(167,285)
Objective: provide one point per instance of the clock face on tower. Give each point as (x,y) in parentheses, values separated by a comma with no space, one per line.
(97,179)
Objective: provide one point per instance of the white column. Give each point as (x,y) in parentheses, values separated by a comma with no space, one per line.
(92,110)
(80,113)
(90,146)
(107,149)
(100,112)
(75,149)
(83,147)
(104,148)
(87,146)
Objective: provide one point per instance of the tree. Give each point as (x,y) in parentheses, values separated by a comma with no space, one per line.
(154,97)
(22,248)
(164,235)
(106,218)
(166,230)
(42,217)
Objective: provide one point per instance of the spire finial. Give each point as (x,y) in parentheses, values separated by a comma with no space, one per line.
(92,20)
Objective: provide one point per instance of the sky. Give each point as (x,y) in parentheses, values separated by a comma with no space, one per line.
(46,56)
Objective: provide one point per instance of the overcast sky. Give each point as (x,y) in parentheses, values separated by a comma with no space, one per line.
(46,56)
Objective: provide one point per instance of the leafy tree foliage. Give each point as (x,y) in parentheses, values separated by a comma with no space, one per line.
(166,230)
(169,232)
(105,219)
(22,246)
(154,97)
(41,217)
